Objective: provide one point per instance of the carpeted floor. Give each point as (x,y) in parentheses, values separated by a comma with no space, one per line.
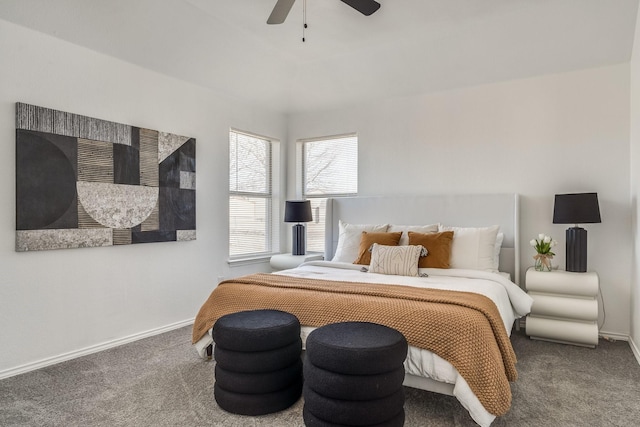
(160,381)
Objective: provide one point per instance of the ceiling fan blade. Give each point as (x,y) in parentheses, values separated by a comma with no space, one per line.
(366,7)
(280,11)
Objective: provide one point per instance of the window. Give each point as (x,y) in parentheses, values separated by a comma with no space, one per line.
(329,169)
(250,194)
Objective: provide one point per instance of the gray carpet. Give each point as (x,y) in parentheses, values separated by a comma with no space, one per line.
(160,381)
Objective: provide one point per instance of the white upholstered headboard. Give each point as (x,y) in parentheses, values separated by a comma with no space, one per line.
(461,210)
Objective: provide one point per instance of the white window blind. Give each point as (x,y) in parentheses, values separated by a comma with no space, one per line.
(329,169)
(250,194)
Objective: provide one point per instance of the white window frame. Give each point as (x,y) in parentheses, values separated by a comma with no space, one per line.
(273,224)
(301,183)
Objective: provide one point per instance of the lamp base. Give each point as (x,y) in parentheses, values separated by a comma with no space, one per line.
(298,240)
(576,249)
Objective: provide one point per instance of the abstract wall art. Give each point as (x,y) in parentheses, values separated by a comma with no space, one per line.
(85,182)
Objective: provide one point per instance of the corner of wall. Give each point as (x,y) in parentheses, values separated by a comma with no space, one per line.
(634,149)
(634,349)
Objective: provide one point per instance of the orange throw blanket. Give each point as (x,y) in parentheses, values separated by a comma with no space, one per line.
(461,327)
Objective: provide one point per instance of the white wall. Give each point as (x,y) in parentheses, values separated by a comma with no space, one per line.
(57,302)
(635,191)
(537,137)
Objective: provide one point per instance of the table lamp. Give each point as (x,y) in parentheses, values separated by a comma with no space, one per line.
(577,208)
(298,211)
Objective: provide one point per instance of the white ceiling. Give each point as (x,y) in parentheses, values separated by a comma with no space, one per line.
(406,47)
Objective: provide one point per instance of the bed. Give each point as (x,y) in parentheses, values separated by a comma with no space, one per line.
(473,219)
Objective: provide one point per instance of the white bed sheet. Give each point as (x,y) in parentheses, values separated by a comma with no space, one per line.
(512,303)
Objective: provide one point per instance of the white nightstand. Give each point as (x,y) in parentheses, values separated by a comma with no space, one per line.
(286,261)
(565,307)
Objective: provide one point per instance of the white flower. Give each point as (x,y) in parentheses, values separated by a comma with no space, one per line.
(543,245)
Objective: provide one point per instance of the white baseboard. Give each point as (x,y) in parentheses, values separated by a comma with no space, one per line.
(620,337)
(613,336)
(635,349)
(90,350)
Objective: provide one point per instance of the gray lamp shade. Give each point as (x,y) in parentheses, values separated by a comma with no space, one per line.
(578,208)
(297,211)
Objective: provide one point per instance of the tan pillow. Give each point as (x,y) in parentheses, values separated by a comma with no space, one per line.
(404,240)
(368,239)
(438,247)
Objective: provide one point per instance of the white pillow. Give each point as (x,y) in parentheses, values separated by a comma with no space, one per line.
(396,260)
(496,251)
(473,247)
(349,239)
(404,239)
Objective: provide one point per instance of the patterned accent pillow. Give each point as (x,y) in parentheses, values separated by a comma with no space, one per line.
(396,260)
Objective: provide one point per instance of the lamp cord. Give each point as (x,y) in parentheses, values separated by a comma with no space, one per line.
(604,312)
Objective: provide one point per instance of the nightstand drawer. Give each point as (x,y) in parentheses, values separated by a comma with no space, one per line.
(558,306)
(562,282)
(565,331)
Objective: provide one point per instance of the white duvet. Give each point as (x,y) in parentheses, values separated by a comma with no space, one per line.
(512,303)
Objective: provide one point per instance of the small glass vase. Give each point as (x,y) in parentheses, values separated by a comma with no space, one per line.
(543,262)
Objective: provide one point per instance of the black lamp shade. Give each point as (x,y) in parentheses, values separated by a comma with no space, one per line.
(580,208)
(297,211)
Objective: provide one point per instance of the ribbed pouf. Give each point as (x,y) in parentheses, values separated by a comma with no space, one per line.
(353,376)
(258,367)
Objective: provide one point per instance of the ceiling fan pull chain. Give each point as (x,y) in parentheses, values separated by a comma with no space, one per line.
(304,19)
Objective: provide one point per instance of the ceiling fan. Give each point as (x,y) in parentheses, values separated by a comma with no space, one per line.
(282,8)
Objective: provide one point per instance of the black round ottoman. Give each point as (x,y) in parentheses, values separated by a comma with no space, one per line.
(258,367)
(353,376)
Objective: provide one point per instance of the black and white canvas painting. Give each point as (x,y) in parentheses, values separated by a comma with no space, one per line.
(85,182)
